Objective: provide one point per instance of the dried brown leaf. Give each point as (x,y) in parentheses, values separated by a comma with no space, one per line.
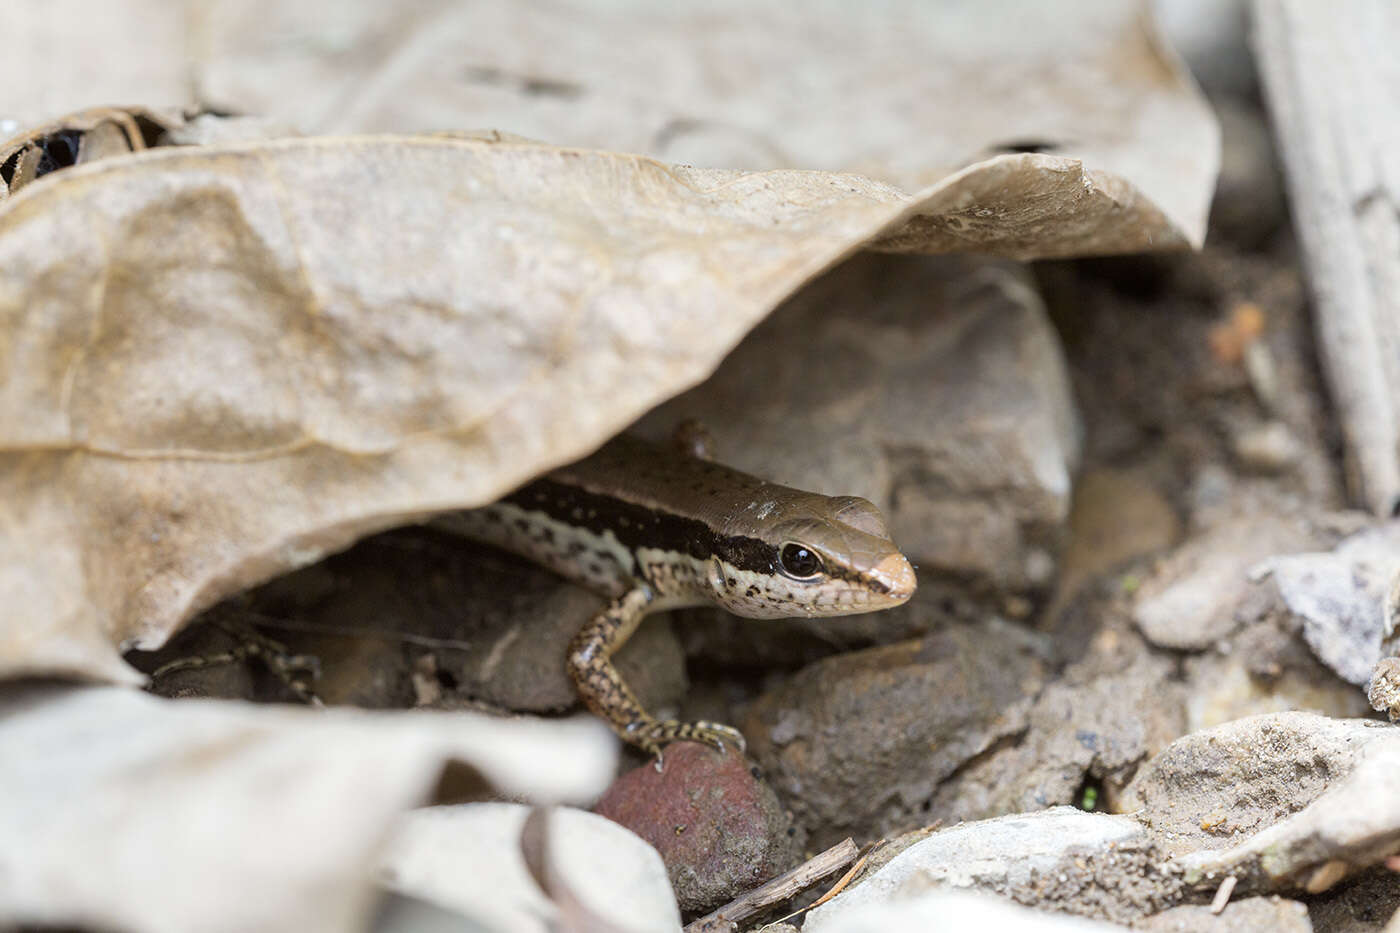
(905,91)
(127,812)
(217,364)
(78,139)
(485,862)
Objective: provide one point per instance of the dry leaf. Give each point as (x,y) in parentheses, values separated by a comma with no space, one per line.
(65,55)
(905,91)
(218,364)
(78,139)
(468,858)
(128,812)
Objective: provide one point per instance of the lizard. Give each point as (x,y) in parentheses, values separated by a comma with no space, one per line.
(655,527)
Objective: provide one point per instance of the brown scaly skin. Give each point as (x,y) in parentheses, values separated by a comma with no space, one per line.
(656,529)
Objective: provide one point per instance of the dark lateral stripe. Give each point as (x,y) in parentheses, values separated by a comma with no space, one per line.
(637,526)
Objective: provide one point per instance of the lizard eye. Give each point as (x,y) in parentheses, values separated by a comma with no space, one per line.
(799,562)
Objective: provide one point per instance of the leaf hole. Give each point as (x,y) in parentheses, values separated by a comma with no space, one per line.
(59,151)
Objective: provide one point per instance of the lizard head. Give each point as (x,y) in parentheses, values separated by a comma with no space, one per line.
(809,555)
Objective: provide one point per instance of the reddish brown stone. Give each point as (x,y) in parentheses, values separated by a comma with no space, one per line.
(718,826)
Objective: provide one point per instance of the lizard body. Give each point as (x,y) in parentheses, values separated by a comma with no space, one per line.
(655,529)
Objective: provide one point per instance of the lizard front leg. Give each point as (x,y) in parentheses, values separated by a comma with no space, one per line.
(606,694)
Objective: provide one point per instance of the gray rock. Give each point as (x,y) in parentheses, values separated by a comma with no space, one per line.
(1339,597)
(948,910)
(1264,669)
(933,386)
(1353,824)
(1093,725)
(857,744)
(1242,916)
(495,625)
(1061,858)
(1222,798)
(1274,632)
(1384,690)
(1192,598)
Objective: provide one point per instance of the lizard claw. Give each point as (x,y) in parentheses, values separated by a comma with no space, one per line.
(717,734)
(653,736)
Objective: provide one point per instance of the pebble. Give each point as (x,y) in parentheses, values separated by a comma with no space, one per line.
(718,826)
(1268,448)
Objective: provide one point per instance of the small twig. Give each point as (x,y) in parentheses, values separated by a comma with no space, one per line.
(1222,894)
(779,889)
(840,885)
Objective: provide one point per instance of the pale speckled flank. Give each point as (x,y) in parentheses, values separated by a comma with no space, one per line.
(678,579)
(599,562)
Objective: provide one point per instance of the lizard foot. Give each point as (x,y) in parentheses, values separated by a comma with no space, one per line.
(654,735)
(293,670)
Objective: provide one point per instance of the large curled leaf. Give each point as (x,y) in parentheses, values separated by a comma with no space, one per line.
(221,363)
(216,365)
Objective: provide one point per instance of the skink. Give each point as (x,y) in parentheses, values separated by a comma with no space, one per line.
(654,528)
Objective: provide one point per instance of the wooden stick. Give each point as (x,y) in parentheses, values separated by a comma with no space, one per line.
(1334,96)
(840,884)
(779,889)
